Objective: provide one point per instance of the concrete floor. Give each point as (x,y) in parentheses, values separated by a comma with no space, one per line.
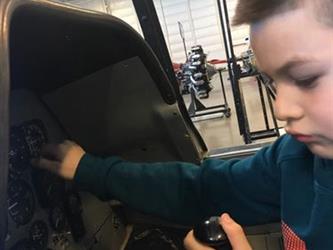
(219,131)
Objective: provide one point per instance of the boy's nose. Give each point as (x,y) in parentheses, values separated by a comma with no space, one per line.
(288,102)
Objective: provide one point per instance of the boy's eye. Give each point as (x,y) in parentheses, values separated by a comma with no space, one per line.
(308,82)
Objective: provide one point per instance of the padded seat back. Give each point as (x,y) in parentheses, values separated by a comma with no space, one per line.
(75,60)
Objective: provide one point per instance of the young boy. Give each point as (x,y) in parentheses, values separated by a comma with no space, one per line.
(290,181)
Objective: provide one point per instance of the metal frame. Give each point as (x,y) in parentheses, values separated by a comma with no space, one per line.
(198,109)
(153,34)
(182,35)
(234,72)
(235,75)
(4,118)
(267,132)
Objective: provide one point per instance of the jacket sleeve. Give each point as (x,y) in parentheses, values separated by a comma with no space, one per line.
(185,193)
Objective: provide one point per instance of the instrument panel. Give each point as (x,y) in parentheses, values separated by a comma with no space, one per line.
(44,211)
(42,208)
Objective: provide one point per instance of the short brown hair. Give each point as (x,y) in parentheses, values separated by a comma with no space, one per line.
(251,11)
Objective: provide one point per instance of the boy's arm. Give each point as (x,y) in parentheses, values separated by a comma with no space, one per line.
(248,189)
(184,193)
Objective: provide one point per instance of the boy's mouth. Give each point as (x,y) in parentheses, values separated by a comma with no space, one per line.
(303,138)
(299,136)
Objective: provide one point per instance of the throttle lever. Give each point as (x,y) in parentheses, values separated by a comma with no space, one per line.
(211,233)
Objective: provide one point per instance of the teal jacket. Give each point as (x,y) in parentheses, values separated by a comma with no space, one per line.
(283,182)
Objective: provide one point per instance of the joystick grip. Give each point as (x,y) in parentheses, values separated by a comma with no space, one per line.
(211,233)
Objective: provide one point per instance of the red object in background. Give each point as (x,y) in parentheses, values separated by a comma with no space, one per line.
(176,66)
(217,61)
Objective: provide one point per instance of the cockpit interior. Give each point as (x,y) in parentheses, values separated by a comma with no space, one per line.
(70,73)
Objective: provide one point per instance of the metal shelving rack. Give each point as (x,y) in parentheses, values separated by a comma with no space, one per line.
(154,36)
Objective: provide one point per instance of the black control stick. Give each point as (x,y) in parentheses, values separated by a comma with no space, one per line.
(211,233)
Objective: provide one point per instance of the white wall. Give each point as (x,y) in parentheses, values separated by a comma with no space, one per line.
(98,5)
(124,9)
(199,18)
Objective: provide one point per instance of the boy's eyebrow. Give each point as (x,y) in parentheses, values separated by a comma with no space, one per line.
(284,69)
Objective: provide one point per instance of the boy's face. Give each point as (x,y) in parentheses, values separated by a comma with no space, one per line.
(297,52)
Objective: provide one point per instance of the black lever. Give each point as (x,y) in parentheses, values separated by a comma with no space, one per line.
(211,233)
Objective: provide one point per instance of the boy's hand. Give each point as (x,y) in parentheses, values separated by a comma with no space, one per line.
(61,159)
(234,232)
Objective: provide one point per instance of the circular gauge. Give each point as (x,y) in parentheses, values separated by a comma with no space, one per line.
(39,234)
(58,220)
(21,203)
(35,136)
(19,155)
(24,244)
